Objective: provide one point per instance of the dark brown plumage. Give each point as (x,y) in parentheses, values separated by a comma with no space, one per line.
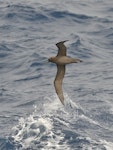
(61,60)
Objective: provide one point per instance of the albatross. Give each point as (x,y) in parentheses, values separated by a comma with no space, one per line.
(61,60)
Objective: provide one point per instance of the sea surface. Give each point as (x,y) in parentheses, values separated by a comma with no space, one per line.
(31,115)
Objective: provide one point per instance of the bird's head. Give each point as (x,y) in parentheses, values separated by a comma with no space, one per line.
(51,59)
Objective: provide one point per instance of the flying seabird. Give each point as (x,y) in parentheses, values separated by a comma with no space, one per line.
(61,60)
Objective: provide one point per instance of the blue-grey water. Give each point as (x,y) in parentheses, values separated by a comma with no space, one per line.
(31,115)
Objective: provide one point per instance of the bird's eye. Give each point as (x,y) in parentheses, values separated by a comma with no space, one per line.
(50,58)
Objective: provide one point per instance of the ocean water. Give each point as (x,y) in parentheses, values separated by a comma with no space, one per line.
(31,115)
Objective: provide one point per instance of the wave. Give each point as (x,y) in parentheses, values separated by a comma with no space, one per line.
(63,14)
(29,78)
(52,126)
(16,12)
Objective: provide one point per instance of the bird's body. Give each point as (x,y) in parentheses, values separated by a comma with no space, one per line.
(61,60)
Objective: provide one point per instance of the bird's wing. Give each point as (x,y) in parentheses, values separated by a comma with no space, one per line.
(61,49)
(58,82)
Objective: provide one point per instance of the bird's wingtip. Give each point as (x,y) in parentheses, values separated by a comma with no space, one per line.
(62,101)
(62,42)
(61,97)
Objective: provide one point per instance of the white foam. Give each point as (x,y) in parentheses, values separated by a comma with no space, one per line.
(41,128)
(107,145)
(89,119)
(39,125)
(30,130)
